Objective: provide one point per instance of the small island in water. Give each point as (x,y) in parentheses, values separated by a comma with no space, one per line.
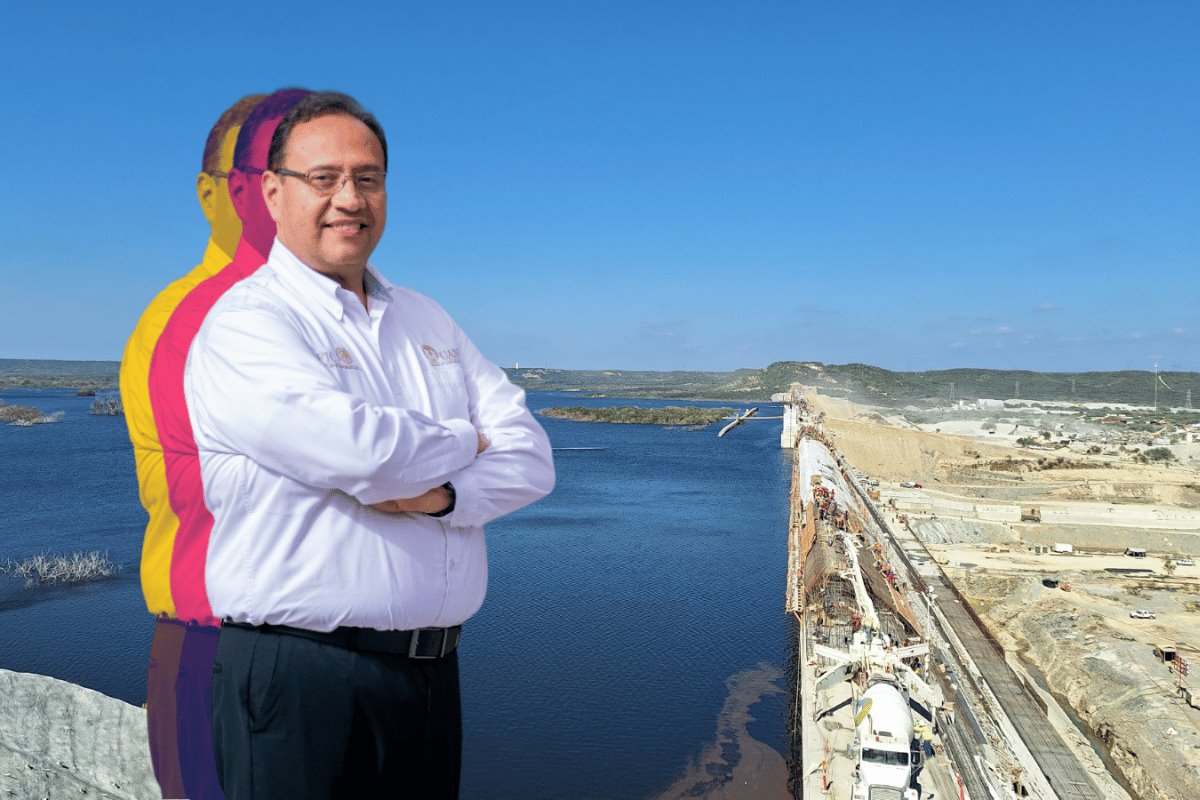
(26,416)
(636,415)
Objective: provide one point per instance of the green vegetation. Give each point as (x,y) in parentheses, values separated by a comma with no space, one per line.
(1010,464)
(19,414)
(859,382)
(43,373)
(625,383)
(634,415)
(26,415)
(874,385)
(108,406)
(1158,454)
(47,570)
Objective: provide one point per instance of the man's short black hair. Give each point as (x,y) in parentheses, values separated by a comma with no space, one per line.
(273,106)
(321,104)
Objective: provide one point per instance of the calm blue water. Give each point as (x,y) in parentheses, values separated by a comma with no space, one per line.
(617,607)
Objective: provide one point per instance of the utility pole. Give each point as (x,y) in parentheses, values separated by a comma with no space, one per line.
(1072,388)
(1155,387)
(951,392)
(1189,399)
(1017,396)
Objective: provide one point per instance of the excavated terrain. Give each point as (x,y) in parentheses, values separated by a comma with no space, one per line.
(1091,655)
(1081,645)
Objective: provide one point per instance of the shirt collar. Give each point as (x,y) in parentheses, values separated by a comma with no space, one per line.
(323,290)
(377,286)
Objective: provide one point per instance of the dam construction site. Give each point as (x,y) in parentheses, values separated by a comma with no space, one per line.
(990,637)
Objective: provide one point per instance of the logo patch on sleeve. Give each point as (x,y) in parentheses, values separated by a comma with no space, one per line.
(338,358)
(440,358)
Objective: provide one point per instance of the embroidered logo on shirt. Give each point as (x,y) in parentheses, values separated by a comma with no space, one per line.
(338,357)
(440,358)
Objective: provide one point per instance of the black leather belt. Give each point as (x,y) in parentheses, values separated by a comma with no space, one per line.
(421,643)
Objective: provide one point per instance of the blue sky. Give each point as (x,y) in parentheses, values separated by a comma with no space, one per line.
(655,185)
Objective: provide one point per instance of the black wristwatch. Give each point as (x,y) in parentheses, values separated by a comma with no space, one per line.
(449,487)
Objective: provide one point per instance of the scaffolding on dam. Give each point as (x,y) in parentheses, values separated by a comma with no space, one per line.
(862,718)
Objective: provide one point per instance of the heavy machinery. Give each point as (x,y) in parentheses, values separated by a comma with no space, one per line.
(884,739)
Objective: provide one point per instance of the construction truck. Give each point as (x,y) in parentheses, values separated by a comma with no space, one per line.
(884,741)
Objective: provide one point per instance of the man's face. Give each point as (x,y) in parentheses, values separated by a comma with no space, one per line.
(245,189)
(334,235)
(213,192)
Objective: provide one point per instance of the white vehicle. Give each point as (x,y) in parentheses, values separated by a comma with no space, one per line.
(1142,613)
(883,738)
(1185,562)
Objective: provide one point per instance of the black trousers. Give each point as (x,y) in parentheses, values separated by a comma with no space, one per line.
(294,718)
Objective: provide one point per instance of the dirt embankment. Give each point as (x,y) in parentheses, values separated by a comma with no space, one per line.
(897,454)
(886,447)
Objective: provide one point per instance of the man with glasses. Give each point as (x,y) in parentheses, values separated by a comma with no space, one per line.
(353,442)
(179,681)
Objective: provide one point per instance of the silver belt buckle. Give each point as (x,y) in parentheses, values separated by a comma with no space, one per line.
(415,642)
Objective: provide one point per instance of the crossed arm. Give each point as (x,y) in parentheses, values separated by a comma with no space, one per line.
(255,388)
(435,501)
(513,465)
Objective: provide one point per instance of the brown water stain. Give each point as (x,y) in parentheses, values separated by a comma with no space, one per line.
(735,765)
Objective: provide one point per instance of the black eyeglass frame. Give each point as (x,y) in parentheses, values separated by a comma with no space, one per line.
(345,176)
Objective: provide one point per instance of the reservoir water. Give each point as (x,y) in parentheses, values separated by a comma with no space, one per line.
(618,607)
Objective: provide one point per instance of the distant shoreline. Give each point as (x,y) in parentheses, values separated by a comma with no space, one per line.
(636,415)
(860,383)
(16,373)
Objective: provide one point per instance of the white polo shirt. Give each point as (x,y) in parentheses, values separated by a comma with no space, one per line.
(306,409)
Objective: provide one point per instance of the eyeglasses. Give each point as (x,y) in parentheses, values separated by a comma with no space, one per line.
(326,182)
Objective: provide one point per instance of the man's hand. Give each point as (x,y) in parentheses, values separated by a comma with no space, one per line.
(433,501)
